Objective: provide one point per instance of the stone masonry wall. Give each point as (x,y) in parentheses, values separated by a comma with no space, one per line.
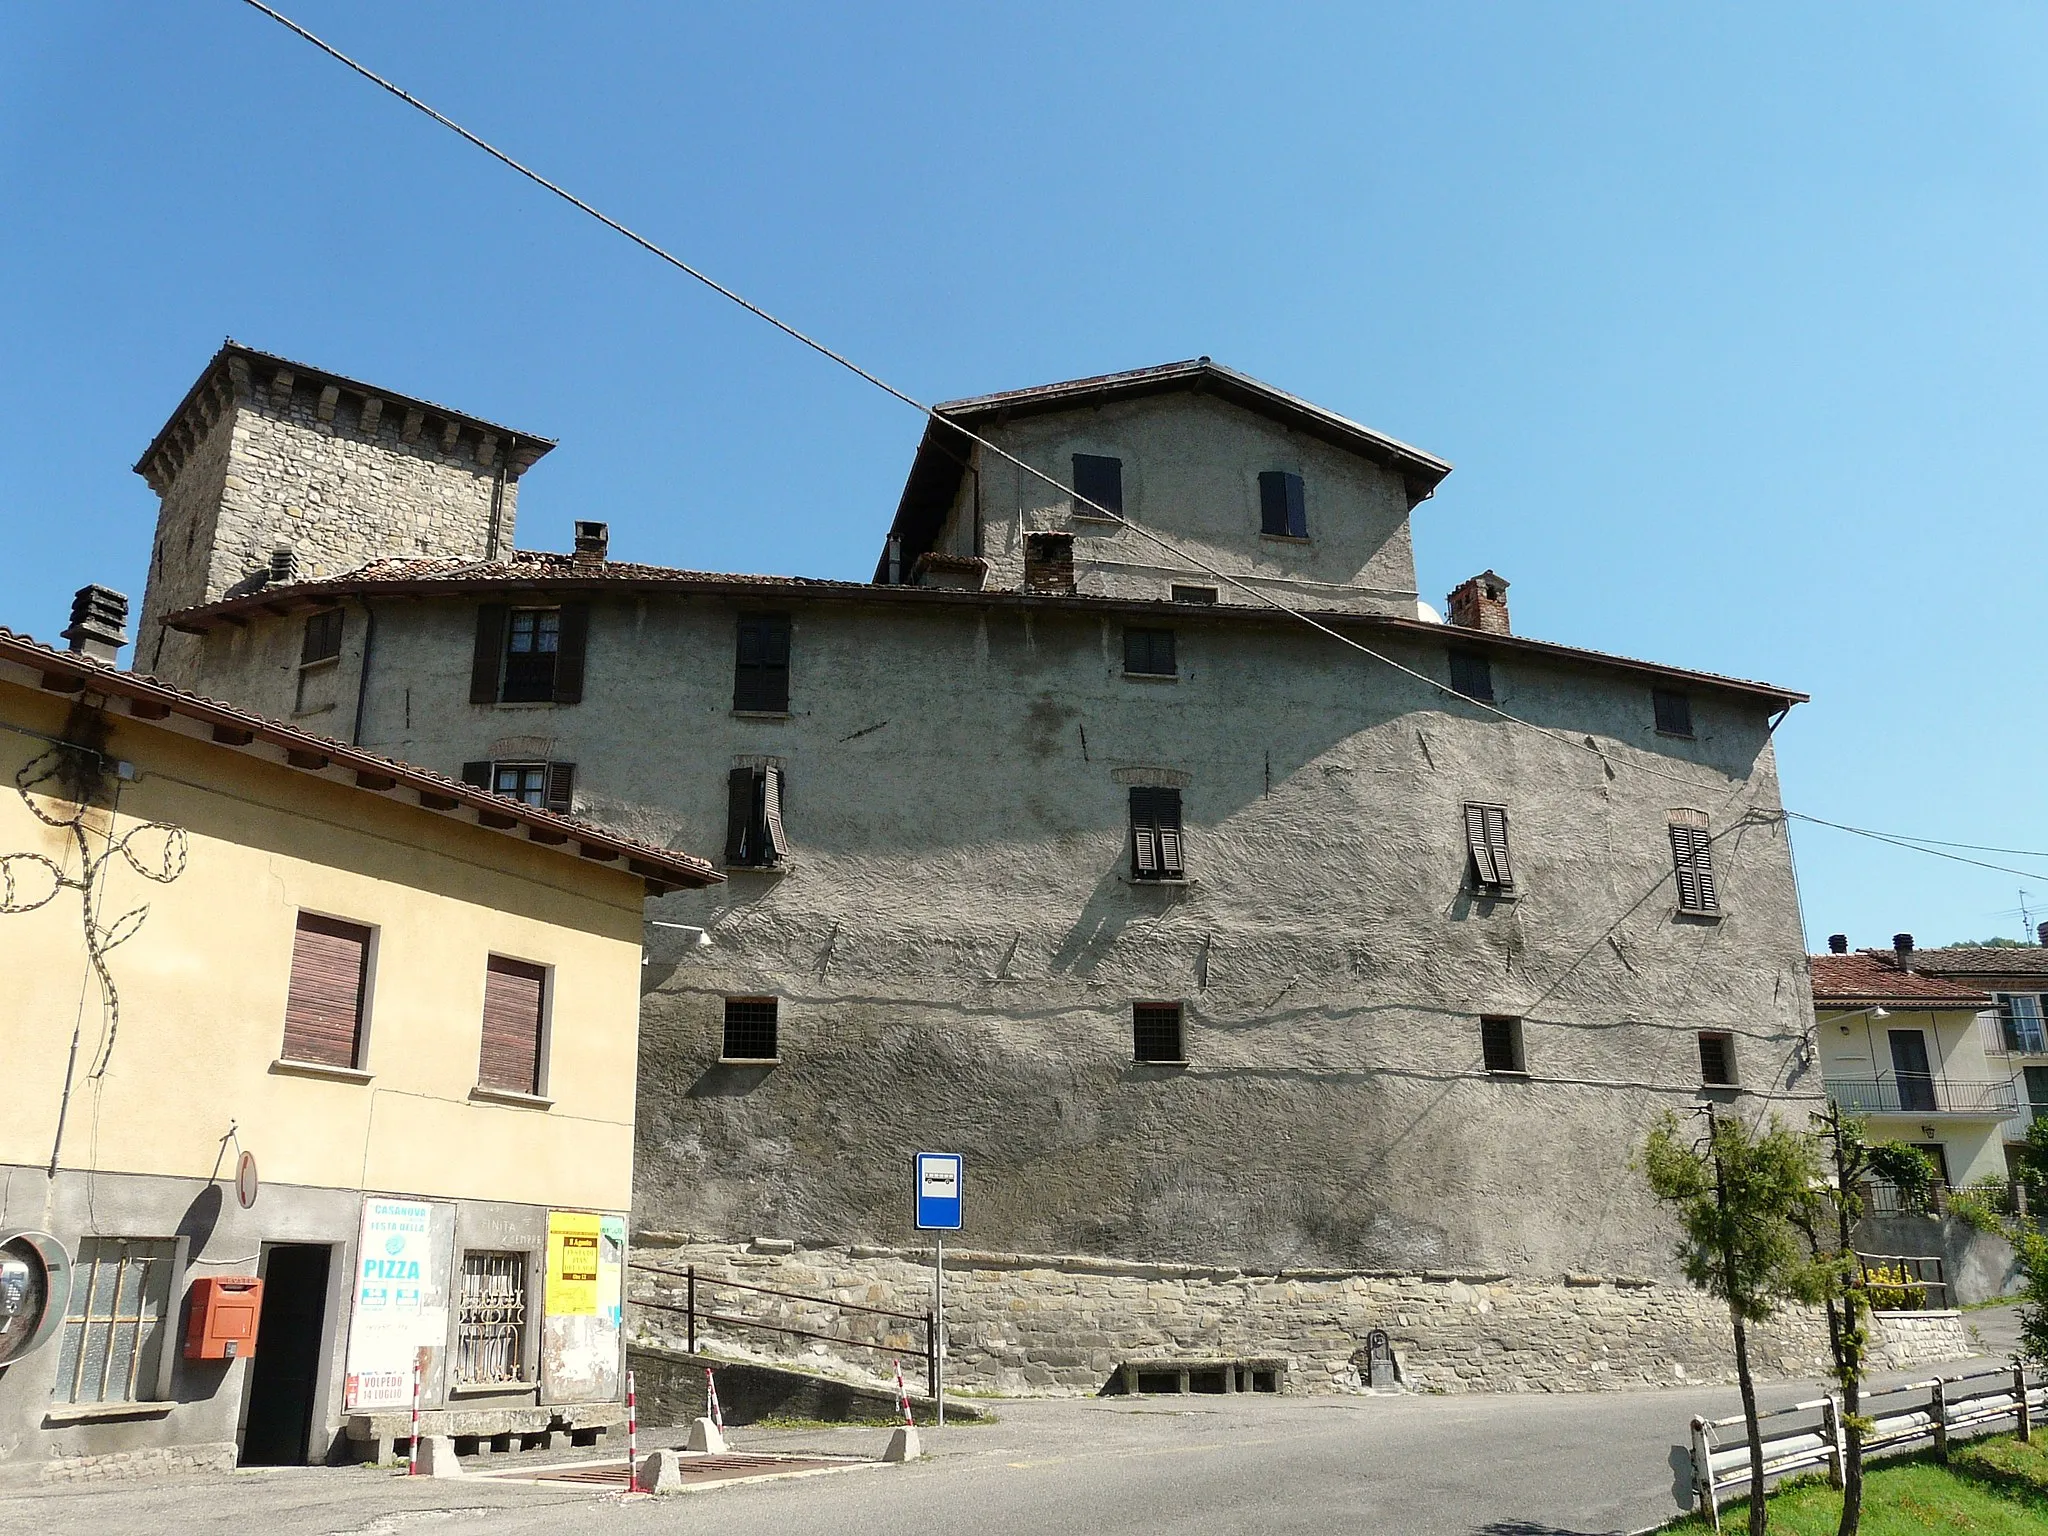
(1032,1323)
(1904,1341)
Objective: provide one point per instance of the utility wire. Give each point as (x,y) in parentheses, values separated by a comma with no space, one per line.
(1581,744)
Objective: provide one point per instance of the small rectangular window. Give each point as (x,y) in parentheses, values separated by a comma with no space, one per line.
(1194,594)
(2020,1016)
(1500,1044)
(1283,508)
(521,781)
(490,1330)
(1098,479)
(1149,651)
(323,638)
(533,639)
(551,786)
(1692,863)
(1156,1032)
(1472,675)
(761,664)
(1486,850)
(1049,562)
(1156,852)
(754,838)
(323,1013)
(515,1023)
(1717,1059)
(1673,710)
(112,1350)
(750,1032)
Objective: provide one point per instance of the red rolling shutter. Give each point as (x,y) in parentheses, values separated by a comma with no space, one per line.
(513,993)
(323,1013)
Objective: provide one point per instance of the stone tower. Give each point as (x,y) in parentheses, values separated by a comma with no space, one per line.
(271,472)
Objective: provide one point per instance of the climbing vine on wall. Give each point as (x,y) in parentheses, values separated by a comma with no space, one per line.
(76,774)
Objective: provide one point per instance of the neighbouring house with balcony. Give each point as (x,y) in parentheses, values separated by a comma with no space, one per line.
(1906,1051)
(2016,1036)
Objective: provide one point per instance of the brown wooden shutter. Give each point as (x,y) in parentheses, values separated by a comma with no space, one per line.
(1692,861)
(478,774)
(1172,865)
(323,1011)
(739,813)
(490,653)
(775,844)
(1497,842)
(1144,834)
(560,791)
(572,642)
(513,997)
(1478,848)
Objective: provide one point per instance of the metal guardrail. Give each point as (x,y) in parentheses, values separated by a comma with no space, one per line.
(1915,1093)
(1922,1280)
(692,1315)
(1809,1435)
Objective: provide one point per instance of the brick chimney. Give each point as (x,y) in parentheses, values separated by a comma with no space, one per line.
(1481,603)
(593,544)
(1902,950)
(99,623)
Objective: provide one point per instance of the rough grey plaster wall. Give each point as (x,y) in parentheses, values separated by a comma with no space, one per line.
(957,948)
(1191,468)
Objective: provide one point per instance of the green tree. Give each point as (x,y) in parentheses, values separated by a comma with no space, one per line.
(1737,1193)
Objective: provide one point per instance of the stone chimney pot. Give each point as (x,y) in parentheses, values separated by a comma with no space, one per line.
(593,543)
(1481,604)
(99,623)
(1838,943)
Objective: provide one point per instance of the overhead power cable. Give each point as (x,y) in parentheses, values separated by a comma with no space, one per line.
(1257,594)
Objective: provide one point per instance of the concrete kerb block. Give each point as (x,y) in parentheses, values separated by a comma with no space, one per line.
(903,1445)
(437,1456)
(662,1473)
(706,1436)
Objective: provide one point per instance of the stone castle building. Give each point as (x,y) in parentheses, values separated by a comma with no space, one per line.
(1207,938)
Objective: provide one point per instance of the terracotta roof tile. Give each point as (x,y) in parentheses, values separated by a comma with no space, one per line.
(1873,976)
(1978,961)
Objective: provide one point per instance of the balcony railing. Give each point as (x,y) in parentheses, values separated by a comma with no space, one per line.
(1916,1093)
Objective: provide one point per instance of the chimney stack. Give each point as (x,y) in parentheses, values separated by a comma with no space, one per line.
(284,565)
(1902,947)
(1838,943)
(99,623)
(593,544)
(2041,933)
(1481,604)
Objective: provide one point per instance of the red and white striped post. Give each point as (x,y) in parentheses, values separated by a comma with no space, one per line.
(632,1437)
(903,1398)
(412,1454)
(711,1399)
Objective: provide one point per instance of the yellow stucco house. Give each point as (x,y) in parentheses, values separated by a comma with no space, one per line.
(319,1075)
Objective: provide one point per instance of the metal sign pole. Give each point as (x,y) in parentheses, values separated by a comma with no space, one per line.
(939,1258)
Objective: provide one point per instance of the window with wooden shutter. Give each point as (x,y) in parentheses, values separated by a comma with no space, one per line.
(1673,711)
(1692,862)
(533,646)
(1472,675)
(1099,479)
(1283,505)
(323,637)
(525,782)
(561,788)
(754,836)
(1156,850)
(515,1019)
(1486,848)
(1156,1032)
(761,664)
(574,645)
(1717,1059)
(1149,652)
(478,774)
(323,1015)
(489,660)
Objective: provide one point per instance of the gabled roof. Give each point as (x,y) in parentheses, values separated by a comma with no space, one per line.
(1980,960)
(67,673)
(935,473)
(556,576)
(1872,978)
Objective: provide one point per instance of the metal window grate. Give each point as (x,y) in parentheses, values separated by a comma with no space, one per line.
(750,1028)
(1500,1044)
(114,1323)
(1155,1032)
(490,1343)
(1717,1060)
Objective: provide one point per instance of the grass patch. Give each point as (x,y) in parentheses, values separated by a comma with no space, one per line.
(1990,1487)
(1992,1301)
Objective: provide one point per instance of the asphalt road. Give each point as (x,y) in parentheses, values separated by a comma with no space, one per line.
(1537,1465)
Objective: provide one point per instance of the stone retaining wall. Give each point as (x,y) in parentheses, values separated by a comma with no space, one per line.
(1032,1323)
(154,1461)
(1901,1341)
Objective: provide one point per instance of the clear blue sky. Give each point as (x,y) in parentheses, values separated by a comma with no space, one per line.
(1730,316)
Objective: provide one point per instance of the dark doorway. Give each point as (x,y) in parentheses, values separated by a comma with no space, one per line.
(1936,1153)
(285,1375)
(1910,1069)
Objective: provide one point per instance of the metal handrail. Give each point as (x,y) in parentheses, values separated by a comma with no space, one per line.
(769,1290)
(1887,1093)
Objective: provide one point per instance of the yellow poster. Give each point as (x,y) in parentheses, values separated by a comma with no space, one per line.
(572,1263)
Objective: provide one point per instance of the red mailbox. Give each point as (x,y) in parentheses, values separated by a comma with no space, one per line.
(222,1321)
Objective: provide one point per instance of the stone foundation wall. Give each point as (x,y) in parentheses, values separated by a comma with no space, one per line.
(1029,1323)
(1900,1341)
(154,1461)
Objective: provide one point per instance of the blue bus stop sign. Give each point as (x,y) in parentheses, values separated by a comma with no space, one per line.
(938,1191)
